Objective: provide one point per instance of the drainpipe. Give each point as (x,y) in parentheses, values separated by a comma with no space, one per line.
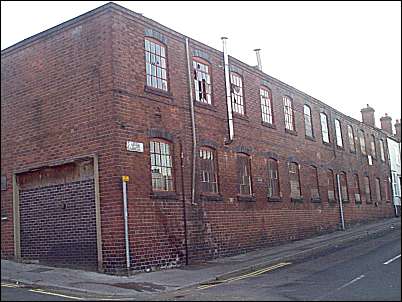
(228,94)
(184,201)
(190,82)
(340,201)
(124,182)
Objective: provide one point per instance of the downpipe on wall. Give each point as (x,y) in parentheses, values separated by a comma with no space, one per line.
(228,92)
(340,201)
(125,211)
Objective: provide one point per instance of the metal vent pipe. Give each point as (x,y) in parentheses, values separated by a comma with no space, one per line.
(228,90)
(257,53)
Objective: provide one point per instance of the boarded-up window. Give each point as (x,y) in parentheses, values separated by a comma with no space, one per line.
(344,186)
(331,185)
(294,177)
(315,193)
(161,166)
(338,133)
(273,178)
(382,153)
(387,190)
(324,127)
(372,146)
(362,140)
(357,188)
(367,189)
(208,173)
(244,173)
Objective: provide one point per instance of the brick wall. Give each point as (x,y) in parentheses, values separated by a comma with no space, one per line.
(58,225)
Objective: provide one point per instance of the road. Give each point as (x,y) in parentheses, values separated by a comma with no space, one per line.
(368,270)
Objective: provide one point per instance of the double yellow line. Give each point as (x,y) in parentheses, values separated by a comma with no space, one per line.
(39,291)
(249,275)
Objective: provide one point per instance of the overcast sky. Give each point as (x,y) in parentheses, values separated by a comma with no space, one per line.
(346,54)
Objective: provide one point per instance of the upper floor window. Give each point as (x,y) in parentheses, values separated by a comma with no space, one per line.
(244,174)
(289,114)
(357,188)
(331,186)
(202,80)
(155,59)
(237,93)
(161,166)
(382,153)
(273,178)
(351,136)
(344,186)
(266,106)
(367,189)
(324,127)
(338,132)
(308,122)
(315,192)
(372,146)
(362,141)
(294,177)
(208,171)
(378,189)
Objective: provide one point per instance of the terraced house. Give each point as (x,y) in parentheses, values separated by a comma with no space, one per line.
(127,145)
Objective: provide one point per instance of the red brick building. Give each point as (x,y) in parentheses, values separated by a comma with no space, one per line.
(76,98)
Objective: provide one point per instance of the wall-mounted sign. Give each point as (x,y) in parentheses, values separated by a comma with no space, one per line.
(135,146)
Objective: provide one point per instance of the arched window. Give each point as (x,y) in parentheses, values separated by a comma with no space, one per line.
(294,177)
(155,63)
(362,141)
(351,136)
(378,189)
(367,189)
(237,93)
(289,113)
(314,189)
(338,132)
(324,127)
(208,171)
(382,153)
(372,146)
(357,188)
(244,174)
(161,166)
(308,121)
(266,105)
(331,186)
(344,186)
(273,178)
(202,80)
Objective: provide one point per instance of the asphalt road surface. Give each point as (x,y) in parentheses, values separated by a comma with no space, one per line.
(368,270)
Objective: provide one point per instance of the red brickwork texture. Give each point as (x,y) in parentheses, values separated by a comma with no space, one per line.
(58,225)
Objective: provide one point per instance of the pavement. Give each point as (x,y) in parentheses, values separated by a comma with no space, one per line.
(150,285)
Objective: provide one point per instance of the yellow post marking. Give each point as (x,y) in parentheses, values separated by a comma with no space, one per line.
(249,275)
(40,291)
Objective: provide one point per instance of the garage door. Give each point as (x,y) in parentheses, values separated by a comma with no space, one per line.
(58,216)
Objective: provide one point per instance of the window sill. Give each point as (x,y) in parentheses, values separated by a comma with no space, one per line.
(316,200)
(164,195)
(205,105)
(292,132)
(246,198)
(332,201)
(159,92)
(326,144)
(310,138)
(345,201)
(353,152)
(268,125)
(358,202)
(340,148)
(298,199)
(274,199)
(211,197)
